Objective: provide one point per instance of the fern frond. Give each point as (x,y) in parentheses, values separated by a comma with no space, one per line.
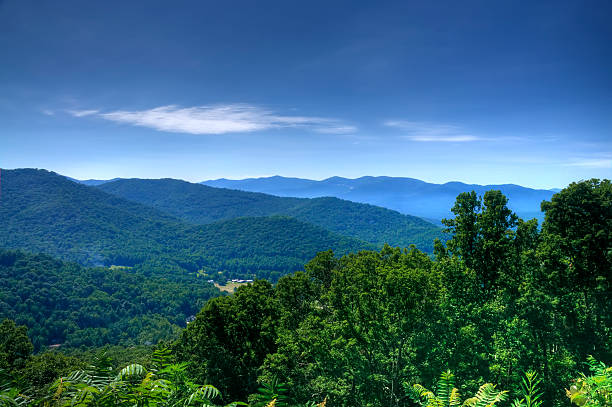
(455,398)
(487,396)
(446,386)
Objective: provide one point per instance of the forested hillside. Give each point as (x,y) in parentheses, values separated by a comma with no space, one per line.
(45,212)
(70,305)
(201,204)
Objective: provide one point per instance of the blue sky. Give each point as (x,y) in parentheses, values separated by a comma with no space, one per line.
(474,91)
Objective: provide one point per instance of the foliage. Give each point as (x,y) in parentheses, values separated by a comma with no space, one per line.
(230,337)
(15,346)
(448,395)
(42,369)
(530,387)
(134,385)
(594,390)
(272,392)
(164,384)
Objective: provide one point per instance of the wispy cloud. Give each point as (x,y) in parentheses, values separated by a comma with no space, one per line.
(591,163)
(336,129)
(219,119)
(431,132)
(82,113)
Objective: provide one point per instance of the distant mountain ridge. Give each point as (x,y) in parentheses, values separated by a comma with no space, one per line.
(201,204)
(92,182)
(405,195)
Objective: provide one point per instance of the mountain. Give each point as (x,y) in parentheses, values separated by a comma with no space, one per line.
(202,204)
(44,212)
(405,195)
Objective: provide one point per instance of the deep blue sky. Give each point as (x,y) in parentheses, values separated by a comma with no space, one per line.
(475,91)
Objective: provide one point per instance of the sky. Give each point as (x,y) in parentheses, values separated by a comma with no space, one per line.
(473,91)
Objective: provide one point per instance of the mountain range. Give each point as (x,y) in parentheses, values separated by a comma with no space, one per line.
(200,204)
(405,195)
(42,211)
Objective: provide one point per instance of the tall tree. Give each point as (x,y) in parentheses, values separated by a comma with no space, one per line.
(495,224)
(482,234)
(464,227)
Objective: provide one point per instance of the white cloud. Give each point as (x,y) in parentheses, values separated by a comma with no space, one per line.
(82,113)
(48,112)
(431,132)
(218,119)
(591,163)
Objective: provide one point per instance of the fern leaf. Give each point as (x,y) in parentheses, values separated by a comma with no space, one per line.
(445,387)
(487,396)
(454,398)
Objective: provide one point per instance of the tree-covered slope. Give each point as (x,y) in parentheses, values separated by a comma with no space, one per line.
(65,303)
(201,204)
(45,212)
(197,203)
(263,247)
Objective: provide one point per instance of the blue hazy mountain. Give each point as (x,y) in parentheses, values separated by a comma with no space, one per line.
(92,182)
(405,195)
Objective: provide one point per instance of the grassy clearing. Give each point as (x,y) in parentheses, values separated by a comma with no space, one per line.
(229,287)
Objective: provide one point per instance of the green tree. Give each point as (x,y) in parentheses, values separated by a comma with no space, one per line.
(464,227)
(15,346)
(230,337)
(495,238)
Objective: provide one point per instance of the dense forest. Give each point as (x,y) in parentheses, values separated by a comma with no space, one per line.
(506,312)
(73,306)
(201,204)
(45,212)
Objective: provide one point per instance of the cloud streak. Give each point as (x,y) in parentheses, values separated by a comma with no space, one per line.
(591,163)
(82,113)
(218,119)
(431,132)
